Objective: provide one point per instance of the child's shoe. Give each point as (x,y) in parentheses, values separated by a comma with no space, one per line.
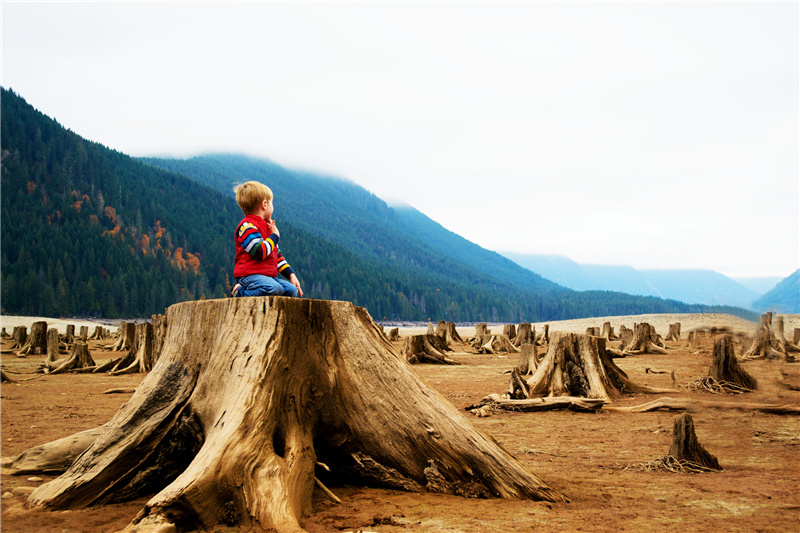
(235,290)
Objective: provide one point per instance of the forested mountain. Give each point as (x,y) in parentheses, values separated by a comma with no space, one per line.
(693,286)
(88,231)
(784,298)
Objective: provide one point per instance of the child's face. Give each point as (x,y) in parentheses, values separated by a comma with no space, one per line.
(266,205)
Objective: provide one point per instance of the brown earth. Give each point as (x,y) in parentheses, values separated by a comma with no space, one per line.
(583,455)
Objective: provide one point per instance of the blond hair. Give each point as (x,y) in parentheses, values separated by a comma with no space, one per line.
(250,195)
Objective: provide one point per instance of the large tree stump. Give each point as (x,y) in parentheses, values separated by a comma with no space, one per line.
(425,349)
(526,334)
(37,341)
(578,366)
(250,393)
(452,334)
(641,342)
(686,447)
(725,366)
(674,333)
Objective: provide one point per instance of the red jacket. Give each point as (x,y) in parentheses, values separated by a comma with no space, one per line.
(256,254)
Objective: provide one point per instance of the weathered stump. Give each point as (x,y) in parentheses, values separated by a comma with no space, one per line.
(127,333)
(37,341)
(425,349)
(249,394)
(578,366)
(544,337)
(78,359)
(69,336)
(725,366)
(686,447)
(431,330)
(526,334)
(394,334)
(528,359)
(674,333)
(495,344)
(84,335)
(607,332)
(139,358)
(593,331)
(642,341)
(765,345)
(159,332)
(20,336)
(510,331)
(452,334)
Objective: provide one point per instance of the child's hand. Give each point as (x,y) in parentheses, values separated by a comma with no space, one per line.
(296,282)
(273,227)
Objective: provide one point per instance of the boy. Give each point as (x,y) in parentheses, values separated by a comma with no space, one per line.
(258,259)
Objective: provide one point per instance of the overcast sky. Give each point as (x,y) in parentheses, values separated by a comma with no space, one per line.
(656,135)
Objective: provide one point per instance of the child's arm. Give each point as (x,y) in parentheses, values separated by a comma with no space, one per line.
(249,238)
(288,273)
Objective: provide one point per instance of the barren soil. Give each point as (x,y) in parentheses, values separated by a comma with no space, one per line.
(583,455)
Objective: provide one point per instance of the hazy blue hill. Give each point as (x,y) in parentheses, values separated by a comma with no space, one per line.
(691,286)
(784,298)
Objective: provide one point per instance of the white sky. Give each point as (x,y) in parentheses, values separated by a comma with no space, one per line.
(657,135)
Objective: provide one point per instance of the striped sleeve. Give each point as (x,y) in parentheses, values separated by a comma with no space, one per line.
(283,265)
(249,238)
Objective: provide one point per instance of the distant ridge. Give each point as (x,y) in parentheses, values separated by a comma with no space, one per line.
(691,286)
(784,298)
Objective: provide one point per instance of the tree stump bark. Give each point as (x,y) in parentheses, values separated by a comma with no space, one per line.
(578,366)
(686,447)
(510,331)
(526,334)
(394,334)
(84,335)
(674,333)
(641,341)
(481,330)
(250,393)
(725,366)
(159,333)
(796,337)
(425,349)
(37,341)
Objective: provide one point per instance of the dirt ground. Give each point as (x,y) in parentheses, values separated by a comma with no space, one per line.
(583,455)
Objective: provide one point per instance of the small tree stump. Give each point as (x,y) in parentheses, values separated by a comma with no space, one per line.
(641,341)
(394,334)
(528,359)
(510,331)
(53,348)
(69,336)
(674,332)
(496,344)
(20,336)
(765,345)
(441,330)
(593,332)
(127,333)
(79,358)
(686,447)
(725,366)
(607,332)
(140,357)
(452,334)
(544,337)
(159,333)
(796,337)
(481,330)
(526,334)
(431,330)
(37,341)
(424,349)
